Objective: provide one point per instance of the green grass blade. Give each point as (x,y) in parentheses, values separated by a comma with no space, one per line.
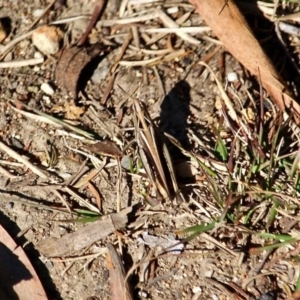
(199,228)
(298,283)
(273,246)
(281,237)
(221,150)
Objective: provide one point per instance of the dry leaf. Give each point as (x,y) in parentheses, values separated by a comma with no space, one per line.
(72,62)
(230,26)
(73,112)
(106,148)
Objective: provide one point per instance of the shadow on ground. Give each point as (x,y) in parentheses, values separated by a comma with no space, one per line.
(43,273)
(174,114)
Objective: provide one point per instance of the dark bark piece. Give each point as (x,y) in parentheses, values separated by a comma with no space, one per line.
(86,236)
(71,63)
(118,286)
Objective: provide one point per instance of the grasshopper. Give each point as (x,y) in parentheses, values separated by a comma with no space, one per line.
(154,153)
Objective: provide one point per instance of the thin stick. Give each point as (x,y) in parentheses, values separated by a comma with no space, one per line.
(134,30)
(10,163)
(8,197)
(121,52)
(159,36)
(7,174)
(21,63)
(108,88)
(14,42)
(143,18)
(96,14)
(34,116)
(62,199)
(41,16)
(190,30)
(112,77)
(71,19)
(168,22)
(24,161)
(123,8)
(152,61)
(80,200)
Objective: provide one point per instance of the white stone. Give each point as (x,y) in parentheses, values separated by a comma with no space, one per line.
(47,89)
(37,54)
(143,294)
(47,39)
(196,289)
(38,12)
(47,100)
(232,77)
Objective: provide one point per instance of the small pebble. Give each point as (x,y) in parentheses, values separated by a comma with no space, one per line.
(9,205)
(49,264)
(36,69)
(102,71)
(47,39)
(196,289)
(16,142)
(232,77)
(38,12)
(37,54)
(143,294)
(47,89)
(47,100)
(268,296)
(126,162)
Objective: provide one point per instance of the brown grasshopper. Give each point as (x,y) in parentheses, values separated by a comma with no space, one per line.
(154,153)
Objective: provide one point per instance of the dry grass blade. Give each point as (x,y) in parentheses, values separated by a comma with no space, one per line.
(57,121)
(10,45)
(24,161)
(224,96)
(159,36)
(85,180)
(191,30)
(168,22)
(81,201)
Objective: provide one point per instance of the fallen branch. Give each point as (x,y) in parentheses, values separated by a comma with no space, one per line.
(84,237)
